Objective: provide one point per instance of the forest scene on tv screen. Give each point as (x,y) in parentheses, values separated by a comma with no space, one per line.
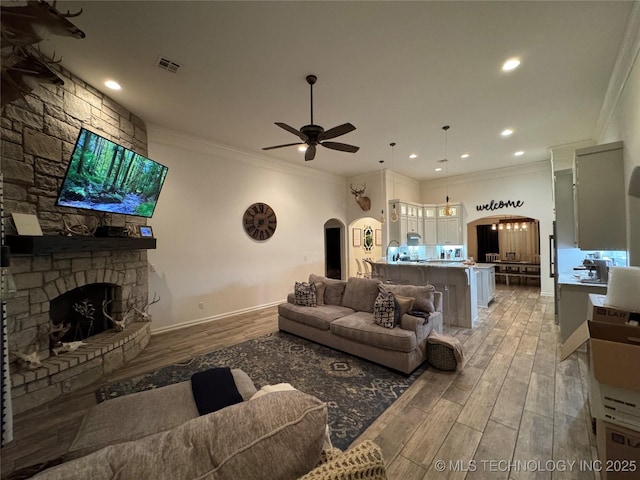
(107,177)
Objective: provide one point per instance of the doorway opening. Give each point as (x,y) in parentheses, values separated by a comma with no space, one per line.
(333,248)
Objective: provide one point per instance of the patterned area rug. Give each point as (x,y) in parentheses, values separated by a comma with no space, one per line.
(356,391)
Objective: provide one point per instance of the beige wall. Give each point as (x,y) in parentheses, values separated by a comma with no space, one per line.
(204,255)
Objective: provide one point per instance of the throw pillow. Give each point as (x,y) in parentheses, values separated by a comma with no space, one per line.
(333,289)
(305,294)
(384,310)
(402,306)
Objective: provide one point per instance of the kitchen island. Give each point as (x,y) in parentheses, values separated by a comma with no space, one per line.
(457,281)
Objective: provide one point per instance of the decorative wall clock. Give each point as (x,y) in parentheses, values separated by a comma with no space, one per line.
(260,221)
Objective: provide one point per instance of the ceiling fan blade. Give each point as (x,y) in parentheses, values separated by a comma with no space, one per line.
(343,147)
(310,154)
(337,131)
(289,129)
(285,145)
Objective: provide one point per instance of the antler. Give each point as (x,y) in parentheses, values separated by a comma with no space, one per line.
(355,191)
(68,14)
(144,313)
(31,360)
(117,324)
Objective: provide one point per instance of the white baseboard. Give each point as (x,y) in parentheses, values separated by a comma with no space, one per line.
(198,321)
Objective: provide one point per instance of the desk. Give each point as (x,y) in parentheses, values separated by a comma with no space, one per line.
(524,270)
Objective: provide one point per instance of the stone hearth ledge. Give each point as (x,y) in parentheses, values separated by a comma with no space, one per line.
(58,375)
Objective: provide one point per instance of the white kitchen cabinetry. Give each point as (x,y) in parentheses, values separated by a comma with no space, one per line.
(430,236)
(411,221)
(449,229)
(486,285)
(599,198)
(565,224)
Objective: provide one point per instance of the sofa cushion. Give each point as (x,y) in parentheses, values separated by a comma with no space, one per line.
(333,289)
(318,317)
(305,294)
(359,327)
(144,413)
(361,294)
(281,433)
(319,292)
(424,295)
(384,310)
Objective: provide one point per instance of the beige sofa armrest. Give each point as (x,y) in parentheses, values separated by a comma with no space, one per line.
(411,323)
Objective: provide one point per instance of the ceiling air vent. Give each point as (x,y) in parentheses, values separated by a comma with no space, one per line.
(169,65)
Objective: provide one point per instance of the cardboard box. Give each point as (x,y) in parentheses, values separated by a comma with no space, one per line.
(618,451)
(615,345)
(615,405)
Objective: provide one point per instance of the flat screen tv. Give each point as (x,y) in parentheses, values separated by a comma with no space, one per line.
(108,177)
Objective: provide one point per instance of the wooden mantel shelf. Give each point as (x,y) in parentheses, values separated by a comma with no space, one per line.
(42,245)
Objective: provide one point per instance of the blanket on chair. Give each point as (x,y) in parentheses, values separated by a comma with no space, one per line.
(214,389)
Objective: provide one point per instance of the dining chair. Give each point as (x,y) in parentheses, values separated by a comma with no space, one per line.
(492,257)
(359,273)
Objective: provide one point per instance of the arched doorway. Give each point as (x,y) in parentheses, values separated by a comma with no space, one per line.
(334,249)
(502,235)
(365,242)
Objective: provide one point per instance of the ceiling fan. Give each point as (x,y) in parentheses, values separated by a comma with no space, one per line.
(313,135)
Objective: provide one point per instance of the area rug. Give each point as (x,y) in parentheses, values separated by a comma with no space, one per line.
(356,391)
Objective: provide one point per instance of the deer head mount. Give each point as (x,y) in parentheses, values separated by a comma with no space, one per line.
(23,28)
(362,201)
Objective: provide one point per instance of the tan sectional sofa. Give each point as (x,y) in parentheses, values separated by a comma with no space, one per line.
(344,321)
(158,434)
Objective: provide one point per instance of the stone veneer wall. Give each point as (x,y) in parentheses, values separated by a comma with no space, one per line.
(38,135)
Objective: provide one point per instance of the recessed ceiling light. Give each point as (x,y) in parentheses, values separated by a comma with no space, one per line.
(438,169)
(511,64)
(506,132)
(464,155)
(302,148)
(413,155)
(519,153)
(113,85)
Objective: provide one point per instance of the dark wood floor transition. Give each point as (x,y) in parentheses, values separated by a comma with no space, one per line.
(515,412)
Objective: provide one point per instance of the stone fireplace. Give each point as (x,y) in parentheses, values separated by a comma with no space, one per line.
(38,135)
(46,286)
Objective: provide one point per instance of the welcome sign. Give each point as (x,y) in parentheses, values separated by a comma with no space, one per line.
(496,205)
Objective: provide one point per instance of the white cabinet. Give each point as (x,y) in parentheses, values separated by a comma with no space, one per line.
(565,224)
(449,229)
(486,285)
(430,236)
(599,198)
(573,306)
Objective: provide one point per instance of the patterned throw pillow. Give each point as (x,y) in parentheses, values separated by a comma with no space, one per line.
(305,294)
(384,310)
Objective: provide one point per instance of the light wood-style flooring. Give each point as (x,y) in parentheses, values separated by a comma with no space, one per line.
(515,407)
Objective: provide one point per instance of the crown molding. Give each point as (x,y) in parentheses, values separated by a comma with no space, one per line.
(543,166)
(625,60)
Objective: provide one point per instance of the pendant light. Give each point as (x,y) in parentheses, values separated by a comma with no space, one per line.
(382,219)
(394,213)
(447,211)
